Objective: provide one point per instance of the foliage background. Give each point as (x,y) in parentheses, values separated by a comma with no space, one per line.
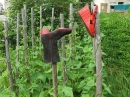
(80,67)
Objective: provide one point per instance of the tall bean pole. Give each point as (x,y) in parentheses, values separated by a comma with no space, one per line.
(94,39)
(98,59)
(52,19)
(54,65)
(97,54)
(40,27)
(17,38)
(54,77)
(63,50)
(24,21)
(17,49)
(25,36)
(71,26)
(32,28)
(8,57)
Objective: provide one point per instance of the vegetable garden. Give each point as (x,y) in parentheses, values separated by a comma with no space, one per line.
(31,77)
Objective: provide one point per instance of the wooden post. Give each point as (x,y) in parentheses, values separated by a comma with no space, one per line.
(97,55)
(32,28)
(54,75)
(17,41)
(98,59)
(70,26)
(92,7)
(17,50)
(63,50)
(24,20)
(8,57)
(54,65)
(40,27)
(52,19)
(25,8)
(25,36)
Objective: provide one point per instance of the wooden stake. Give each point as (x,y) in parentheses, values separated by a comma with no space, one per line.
(32,28)
(17,41)
(97,55)
(40,27)
(52,19)
(63,50)
(70,26)
(98,59)
(54,75)
(92,7)
(25,36)
(17,51)
(8,57)
(24,20)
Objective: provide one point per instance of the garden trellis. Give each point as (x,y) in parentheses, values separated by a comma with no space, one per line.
(33,44)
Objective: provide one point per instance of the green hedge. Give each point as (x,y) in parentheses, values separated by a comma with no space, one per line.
(116,46)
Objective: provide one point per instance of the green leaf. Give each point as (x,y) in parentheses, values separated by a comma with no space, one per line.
(108,90)
(91,83)
(82,84)
(68,91)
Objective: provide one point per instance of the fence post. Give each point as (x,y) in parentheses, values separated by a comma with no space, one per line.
(32,28)
(8,57)
(63,50)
